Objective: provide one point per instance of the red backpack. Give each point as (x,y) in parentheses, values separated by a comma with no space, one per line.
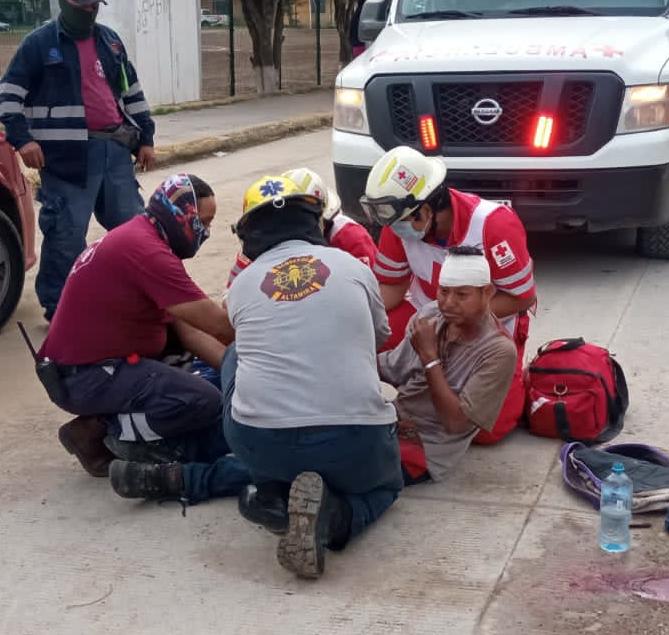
(576,392)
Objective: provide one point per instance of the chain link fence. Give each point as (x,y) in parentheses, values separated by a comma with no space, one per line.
(301,65)
(17,19)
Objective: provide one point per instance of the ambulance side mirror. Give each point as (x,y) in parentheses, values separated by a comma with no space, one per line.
(373,19)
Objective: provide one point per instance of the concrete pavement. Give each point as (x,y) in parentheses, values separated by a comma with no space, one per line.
(501,547)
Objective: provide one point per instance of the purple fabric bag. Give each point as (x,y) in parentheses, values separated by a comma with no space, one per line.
(584,468)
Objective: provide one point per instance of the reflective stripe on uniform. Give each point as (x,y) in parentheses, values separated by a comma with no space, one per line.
(59,134)
(127,431)
(58,112)
(10,108)
(133,90)
(504,282)
(390,263)
(135,109)
(36,112)
(523,288)
(142,425)
(13,89)
(391,273)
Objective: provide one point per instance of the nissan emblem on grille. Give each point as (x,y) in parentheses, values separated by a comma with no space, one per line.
(487,111)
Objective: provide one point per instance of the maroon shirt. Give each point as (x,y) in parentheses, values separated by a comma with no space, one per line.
(99,102)
(115,297)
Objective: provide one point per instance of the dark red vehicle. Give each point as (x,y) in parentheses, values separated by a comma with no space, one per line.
(17,230)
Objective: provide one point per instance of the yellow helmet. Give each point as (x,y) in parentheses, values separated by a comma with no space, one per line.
(275,191)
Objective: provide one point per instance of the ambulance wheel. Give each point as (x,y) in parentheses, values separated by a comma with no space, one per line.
(12,270)
(653,242)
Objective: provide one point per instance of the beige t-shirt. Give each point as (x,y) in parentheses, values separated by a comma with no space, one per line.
(479,371)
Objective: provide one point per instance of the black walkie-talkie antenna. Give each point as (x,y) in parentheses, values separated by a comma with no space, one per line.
(27,340)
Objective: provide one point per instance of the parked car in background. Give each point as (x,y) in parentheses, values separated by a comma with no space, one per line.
(210,19)
(5,26)
(17,230)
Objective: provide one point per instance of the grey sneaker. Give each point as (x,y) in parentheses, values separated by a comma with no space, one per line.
(316,517)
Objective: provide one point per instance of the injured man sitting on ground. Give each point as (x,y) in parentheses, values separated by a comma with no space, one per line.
(452,370)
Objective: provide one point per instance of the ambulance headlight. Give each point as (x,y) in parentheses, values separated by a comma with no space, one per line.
(645,108)
(350,114)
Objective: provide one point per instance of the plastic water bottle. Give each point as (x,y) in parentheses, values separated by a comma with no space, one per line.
(615,511)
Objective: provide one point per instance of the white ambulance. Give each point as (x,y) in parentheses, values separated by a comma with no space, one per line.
(562,110)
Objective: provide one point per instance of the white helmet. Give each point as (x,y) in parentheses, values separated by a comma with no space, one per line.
(311,183)
(399,183)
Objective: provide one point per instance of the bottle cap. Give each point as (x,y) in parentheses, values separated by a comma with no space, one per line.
(618,468)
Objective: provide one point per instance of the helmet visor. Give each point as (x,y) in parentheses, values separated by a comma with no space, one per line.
(387,210)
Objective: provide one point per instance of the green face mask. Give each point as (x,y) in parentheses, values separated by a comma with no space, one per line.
(77,23)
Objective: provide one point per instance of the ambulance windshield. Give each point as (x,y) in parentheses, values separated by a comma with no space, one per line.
(428,10)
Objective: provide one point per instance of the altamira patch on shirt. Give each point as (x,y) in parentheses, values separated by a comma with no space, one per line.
(295,279)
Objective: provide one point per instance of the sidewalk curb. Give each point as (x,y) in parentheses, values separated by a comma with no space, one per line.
(203,104)
(244,138)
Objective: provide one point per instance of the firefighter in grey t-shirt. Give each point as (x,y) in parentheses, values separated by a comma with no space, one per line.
(302,402)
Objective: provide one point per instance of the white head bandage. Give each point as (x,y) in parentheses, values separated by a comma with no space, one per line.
(464,271)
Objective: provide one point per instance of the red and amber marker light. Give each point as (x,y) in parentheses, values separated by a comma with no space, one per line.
(543,132)
(428,132)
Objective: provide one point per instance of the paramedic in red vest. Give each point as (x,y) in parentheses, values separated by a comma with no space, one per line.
(339,230)
(406,193)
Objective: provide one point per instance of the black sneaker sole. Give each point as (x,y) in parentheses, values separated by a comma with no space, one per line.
(301,549)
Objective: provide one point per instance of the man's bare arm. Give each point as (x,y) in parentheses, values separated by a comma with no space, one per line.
(503,304)
(207,316)
(393,294)
(200,344)
(446,403)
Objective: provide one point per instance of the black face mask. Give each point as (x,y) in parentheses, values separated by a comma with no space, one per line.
(77,23)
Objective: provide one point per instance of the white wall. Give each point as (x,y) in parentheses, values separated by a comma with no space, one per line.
(163,42)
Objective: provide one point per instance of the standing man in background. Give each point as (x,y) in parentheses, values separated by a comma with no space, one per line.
(73,107)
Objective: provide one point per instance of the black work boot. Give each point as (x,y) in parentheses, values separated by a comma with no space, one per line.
(153,481)
(317,519)
(266,504)
(140,451)
(83,437)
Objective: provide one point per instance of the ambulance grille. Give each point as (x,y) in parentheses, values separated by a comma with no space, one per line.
(585,107)
(575,107)
(403,111)
(519,102)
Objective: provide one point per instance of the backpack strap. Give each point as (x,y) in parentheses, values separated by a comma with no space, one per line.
(566,344)
(562,422)
(618,405)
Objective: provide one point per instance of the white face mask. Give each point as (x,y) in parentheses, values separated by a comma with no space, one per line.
(405,229)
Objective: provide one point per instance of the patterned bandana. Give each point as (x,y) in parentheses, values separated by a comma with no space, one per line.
(173,208)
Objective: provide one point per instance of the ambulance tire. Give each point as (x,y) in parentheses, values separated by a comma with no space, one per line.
(653,242)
